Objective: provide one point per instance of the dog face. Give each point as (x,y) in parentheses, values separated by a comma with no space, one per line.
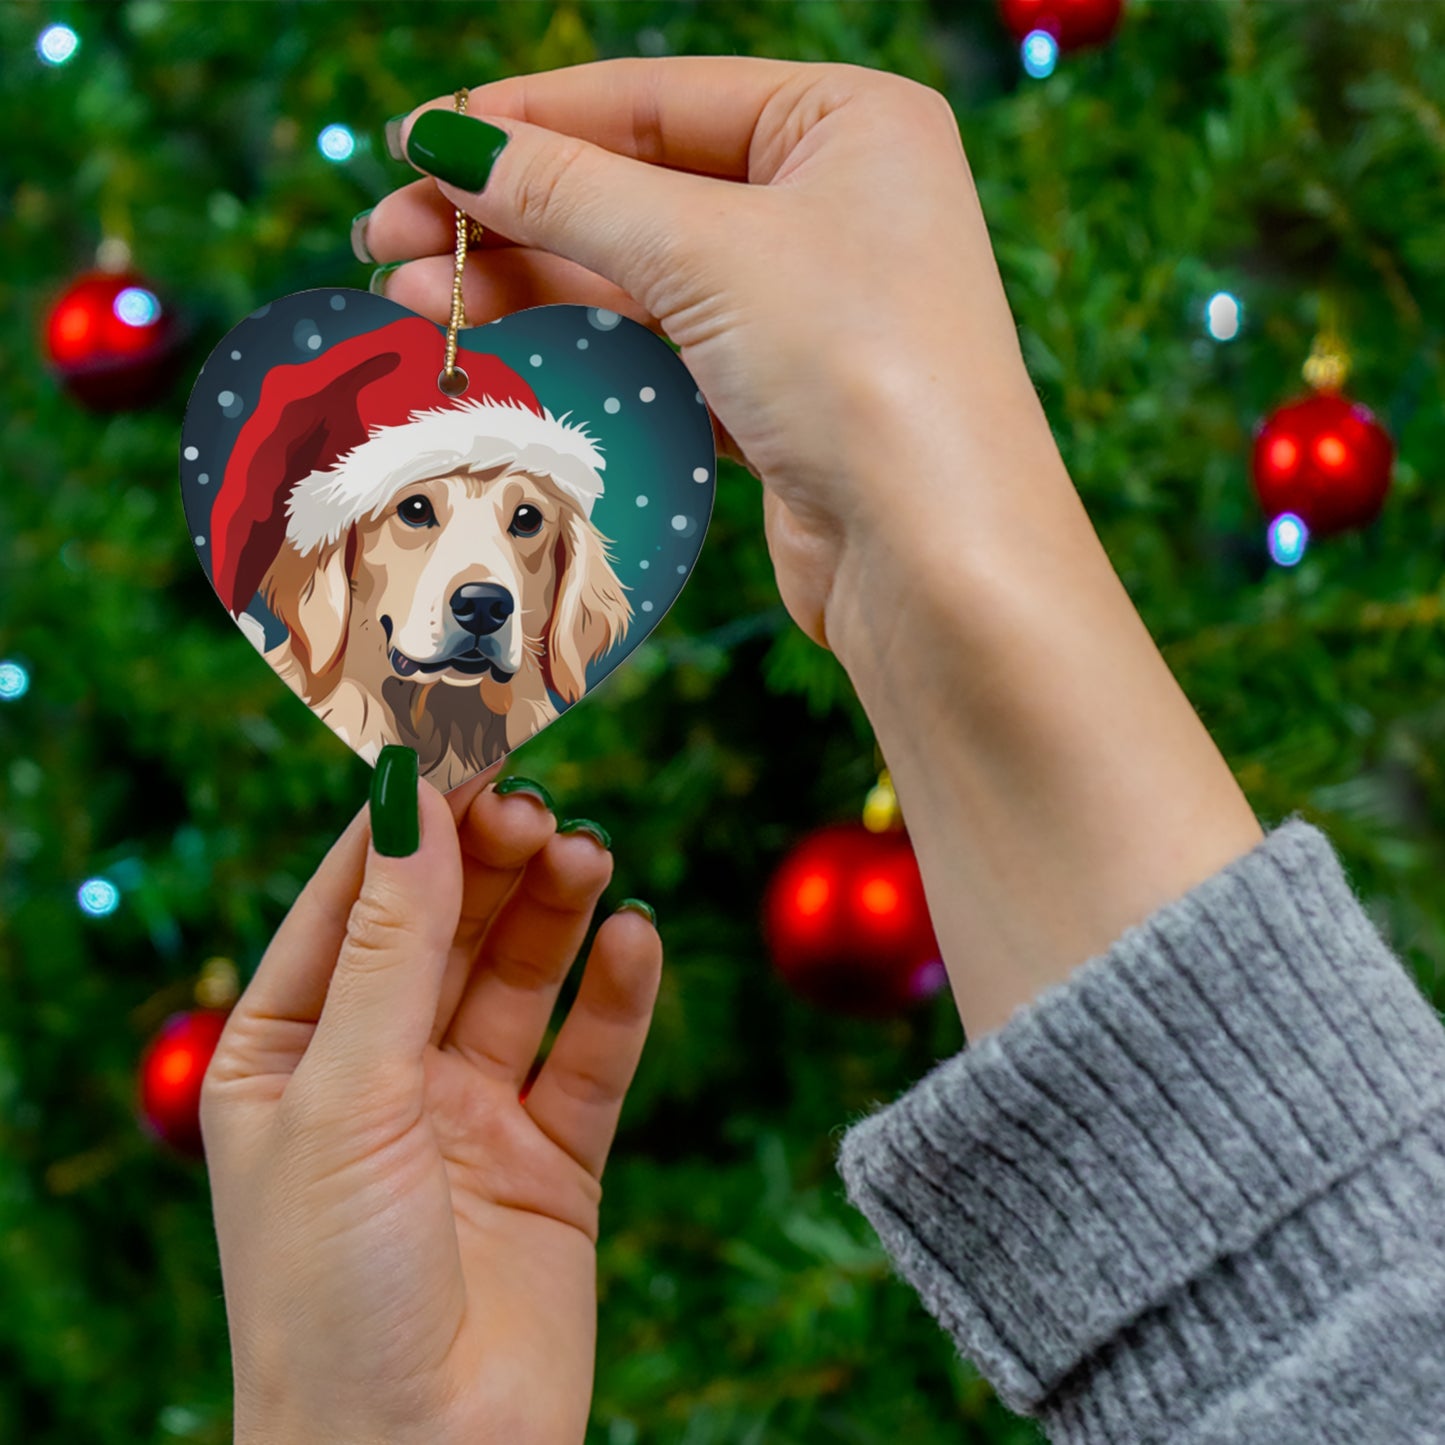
(457,572)
(465,580)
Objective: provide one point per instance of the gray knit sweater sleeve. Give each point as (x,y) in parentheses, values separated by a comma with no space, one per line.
(1196,1192)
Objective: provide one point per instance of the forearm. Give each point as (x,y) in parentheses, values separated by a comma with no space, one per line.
(1056,782)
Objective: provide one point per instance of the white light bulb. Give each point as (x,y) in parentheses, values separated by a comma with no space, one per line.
(136,306)
(57,44)
(1288,538)
(98,897)
(336,143)
(1223,316)
(1040,54)
(14,681)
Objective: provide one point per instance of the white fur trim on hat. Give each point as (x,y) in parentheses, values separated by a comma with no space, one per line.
(466,438)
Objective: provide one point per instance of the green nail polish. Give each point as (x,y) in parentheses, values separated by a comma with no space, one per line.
(586,825)
(455,148)
(392,131)
(359,248)
(395,825)
(515,784)
(636,905)
(377,284)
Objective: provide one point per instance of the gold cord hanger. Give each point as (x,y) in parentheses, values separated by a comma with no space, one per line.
(453,381)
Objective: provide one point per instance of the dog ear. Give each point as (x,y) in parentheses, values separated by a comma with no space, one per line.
(591,612)
(311,595)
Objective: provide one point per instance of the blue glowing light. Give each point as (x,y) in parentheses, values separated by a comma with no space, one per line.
(1288,538)
(57,44)
(136,306)
(14,681)
(1223,316)
(1040,52)
(98,897)
(336,143)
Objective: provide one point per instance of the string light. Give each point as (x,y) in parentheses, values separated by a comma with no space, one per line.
(136,306)
(57,44)
(1288,538)
(98,897)
(1223,316)
(1040,53)
(336,143)
(14,681)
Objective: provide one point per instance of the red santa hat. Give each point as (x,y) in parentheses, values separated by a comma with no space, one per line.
(332,438)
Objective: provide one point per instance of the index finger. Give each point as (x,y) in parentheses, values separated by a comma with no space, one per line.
(695,113)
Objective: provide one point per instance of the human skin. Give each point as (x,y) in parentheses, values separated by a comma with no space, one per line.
(845,319)
(407,1245)
(810,237)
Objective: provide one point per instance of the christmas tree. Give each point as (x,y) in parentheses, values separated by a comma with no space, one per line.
(1179,215)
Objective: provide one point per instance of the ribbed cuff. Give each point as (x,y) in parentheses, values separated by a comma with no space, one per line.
(1142,1183)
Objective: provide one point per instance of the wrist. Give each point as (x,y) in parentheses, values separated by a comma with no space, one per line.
(951,534)
(1056,782)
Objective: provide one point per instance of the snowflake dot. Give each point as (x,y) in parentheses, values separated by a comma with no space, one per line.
(611,406)
(647,394)
(192,452)
(700,474)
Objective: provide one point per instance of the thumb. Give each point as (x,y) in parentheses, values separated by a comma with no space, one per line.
(382,1000)
(633,223)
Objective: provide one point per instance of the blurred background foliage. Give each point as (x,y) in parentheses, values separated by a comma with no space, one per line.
(1289,153)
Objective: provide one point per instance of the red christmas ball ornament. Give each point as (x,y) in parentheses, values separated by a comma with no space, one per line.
(171,1071)
(1072,23)
(1326,459)
(111,341)
(847,924)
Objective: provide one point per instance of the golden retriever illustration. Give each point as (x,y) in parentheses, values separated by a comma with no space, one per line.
(488,584)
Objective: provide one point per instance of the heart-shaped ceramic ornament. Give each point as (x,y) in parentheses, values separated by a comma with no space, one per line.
(450,573)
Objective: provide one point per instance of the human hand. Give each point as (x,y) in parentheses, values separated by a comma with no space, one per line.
(810,237)
(841,302)
(408,1248)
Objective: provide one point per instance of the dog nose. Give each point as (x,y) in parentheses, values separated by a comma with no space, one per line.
(482,607)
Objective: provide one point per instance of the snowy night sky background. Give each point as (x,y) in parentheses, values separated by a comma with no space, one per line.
(626,385)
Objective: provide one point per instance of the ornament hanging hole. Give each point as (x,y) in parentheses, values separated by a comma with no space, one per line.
(452,383)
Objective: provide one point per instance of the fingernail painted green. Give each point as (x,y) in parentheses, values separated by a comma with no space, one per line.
(359,248)
(377,284)
(515,784)
(395,825)
(636,905)
(586,825)
(393,136)
(455,148)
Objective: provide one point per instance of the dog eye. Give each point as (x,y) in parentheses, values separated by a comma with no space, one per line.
(527,521)
(416,512)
